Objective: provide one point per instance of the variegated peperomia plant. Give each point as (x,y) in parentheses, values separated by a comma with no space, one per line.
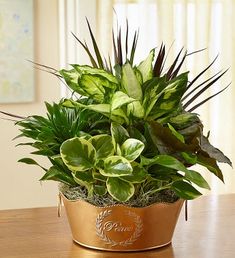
(126,127)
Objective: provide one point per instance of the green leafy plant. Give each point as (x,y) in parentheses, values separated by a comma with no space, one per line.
(126,130)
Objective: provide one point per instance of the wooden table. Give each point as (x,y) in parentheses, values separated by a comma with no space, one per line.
(39,233)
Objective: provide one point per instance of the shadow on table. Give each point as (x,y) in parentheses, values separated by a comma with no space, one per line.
(83,252)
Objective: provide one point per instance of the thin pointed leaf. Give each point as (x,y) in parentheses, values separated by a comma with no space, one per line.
(172,67)
(179,66)
(194,89)
(204,89)
(87,50)
(127,36)
(197,51)
(97,52)
(114,49)
(201,73)
(133,48)
(158,66)
(205,100)
(119,46)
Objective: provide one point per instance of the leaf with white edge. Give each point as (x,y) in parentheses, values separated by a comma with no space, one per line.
(103,145)
(120,190)
(138,175)
(130,82)
(197,179)
(185,190)
(119,133)
(78,154)
(131,149)
(100,190)
(99,177)
(164,160)
(84,178)
(119,99)
(116,166)
(146,68)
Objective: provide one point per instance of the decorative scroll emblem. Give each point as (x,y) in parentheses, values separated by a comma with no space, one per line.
(108,229)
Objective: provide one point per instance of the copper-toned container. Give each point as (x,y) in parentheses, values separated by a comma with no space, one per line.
(122,228)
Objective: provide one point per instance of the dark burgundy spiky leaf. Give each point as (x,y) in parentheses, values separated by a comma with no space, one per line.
(204,89)
(172,67)
(42,65)
(95,46)
(174,74)
(127,36)
(133,48)
(93,62)
(194,89)
(201,73)
(114,49)
(205,100)
(158,66)
(119,47)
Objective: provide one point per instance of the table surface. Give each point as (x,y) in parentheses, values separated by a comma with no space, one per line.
(39,233)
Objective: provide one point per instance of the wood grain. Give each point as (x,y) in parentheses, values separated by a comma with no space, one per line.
(39,233)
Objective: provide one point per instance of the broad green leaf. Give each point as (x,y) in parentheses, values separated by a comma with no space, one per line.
(99,177)
(197,179)
(100,189)
(120,190)
(176,134)
(130,82)
(119,99)
(135,133)
(119,133)
(136,109)
(78,154)
(103,145)
(92,86)
(138,175)
(71,78)
(116,166)
(153,89)
(185,190)
(165,161)
(56,174)
(84,178)
(183,120)
(146,68)
(85,69)
(171,97)
(131,149)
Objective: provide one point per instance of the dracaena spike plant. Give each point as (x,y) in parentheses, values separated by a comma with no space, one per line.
(127,130)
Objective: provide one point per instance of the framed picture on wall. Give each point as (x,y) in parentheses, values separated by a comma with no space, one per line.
(16,46)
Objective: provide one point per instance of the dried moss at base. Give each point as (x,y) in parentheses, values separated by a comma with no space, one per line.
(138,200)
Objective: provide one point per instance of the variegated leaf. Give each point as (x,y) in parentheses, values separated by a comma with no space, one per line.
(103,145)
(119,99)
(146,68)
(131,149)
(116,166)
(78,154)
(120,190)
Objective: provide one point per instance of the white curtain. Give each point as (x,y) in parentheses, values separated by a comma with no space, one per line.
(194,24)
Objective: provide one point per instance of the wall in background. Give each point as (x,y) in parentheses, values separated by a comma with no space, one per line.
(19,185)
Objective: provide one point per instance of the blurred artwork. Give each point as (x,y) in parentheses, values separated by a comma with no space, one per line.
(16,47)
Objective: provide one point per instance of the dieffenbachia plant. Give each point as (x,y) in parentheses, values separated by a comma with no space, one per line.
(126,127)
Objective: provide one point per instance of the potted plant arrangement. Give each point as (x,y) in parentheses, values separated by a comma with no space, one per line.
(122,146)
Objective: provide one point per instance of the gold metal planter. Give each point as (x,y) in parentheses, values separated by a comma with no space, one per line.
(122,228)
